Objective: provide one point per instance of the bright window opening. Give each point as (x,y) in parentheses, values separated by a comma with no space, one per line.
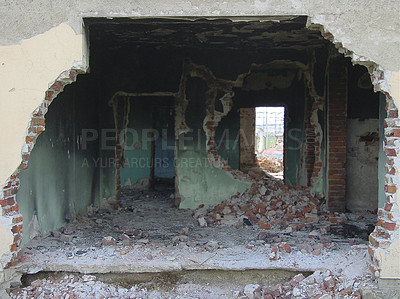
(270,128)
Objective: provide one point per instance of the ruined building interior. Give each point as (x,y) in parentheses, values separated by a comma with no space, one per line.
(145,165)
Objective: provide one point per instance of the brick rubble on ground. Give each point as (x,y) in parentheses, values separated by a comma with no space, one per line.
(319,285)
(270,204)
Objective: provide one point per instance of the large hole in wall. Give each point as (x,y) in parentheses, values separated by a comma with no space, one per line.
(158,123)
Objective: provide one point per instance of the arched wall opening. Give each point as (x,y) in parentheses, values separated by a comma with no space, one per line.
(306,73)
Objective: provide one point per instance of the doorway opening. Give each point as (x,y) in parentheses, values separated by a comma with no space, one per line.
(269,132)
(163,153)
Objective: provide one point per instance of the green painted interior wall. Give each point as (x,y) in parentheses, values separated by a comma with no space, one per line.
(138,153)
(321,185)
(198,181)
(227,138)
(164,124)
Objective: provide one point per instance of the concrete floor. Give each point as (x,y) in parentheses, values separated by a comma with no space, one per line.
(164,239)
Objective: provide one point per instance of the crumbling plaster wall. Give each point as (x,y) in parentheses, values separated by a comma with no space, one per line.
(27,70)
(389,257)
(37,44)
(202,176)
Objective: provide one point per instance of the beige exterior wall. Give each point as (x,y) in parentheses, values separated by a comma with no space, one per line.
(26,70)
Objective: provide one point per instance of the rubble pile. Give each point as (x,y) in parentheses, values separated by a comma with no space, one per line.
(73,287)
(270,165)
(319,285)
(271,205)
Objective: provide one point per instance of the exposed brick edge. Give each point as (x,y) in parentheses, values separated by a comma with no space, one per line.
(36,126)
(212,118)
(386,231)
(337,115)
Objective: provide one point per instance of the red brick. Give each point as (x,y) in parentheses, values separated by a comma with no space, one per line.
(17,219)
(392,171)
(390,189)
(57,86)
(337,144)
(391,152)
(14,247)
(337,149)
(10,201)
(336,187)
(49,95)
(337,182)
(396,132)
(10,192)
(339,171)
(337,165)
(38,121)
(388,206)
(337,193)
(29,139)
(389,226)
(335,177)
(337,158)
(264,225)
(373,241)
(16,228)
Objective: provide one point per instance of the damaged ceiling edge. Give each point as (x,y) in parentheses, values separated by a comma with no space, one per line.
(245,18)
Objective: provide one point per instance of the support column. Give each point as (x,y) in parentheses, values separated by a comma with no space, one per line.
(337,114)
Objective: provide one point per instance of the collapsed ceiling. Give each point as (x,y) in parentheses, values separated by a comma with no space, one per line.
(268,33)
